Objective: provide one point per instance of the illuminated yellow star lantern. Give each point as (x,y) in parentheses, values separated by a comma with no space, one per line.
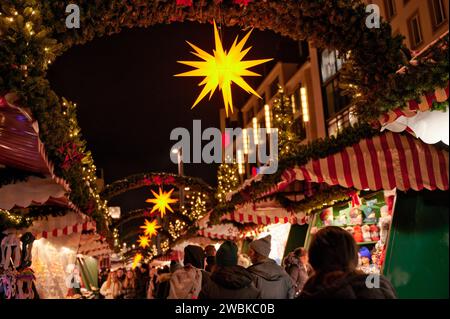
(137,258)
(162,201)
(222,69)
(143,241)
(150,228)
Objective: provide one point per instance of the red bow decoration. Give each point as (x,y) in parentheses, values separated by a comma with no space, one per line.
(242,2)
(90,207)
(169,180)
(390,204)
(157,180)
(72,155)
(147,182)
(184,3)
(356,201)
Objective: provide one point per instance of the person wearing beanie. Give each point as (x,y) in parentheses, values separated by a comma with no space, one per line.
(187,282)
(210,252)
(272,280)
(229,280)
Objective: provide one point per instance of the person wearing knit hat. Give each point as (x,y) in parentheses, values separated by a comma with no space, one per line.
(227,255)
(272,280)
(262,246)
(229,280)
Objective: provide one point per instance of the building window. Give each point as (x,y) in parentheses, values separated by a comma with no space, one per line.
(334,100)
(437,12)
(330,64)
(274,88)
(391,11)
(415,31)
(341,120)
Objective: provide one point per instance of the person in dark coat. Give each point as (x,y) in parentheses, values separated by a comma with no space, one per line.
(333,254)
(298,268)
(210,253)
(228,280)
(272,280)
(143,277)
(164,280)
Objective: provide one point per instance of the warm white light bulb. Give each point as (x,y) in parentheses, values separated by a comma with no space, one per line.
(305,109)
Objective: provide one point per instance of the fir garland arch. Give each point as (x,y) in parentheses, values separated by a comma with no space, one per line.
(33,34)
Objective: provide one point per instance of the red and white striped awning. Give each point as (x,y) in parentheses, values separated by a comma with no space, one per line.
(20,145)
(386,161)
(249,217)
(265,213)
(413,107)
(65,231)
(220,231)
(60,226)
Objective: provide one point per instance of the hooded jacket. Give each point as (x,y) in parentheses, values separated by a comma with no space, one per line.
(272,280)
(298,272)
(351,286)
(230,282)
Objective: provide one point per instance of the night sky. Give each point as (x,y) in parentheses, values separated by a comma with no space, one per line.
(128,100)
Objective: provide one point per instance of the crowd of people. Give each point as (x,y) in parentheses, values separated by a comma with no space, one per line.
(329,269)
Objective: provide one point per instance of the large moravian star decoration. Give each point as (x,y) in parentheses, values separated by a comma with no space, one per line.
(222,69)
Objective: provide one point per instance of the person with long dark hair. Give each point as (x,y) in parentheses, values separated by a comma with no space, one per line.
(333,254)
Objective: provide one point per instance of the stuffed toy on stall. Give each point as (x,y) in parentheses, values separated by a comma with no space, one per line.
(366,232)
(355,216)
(369,209)
(350,230)
(357,234)
(326,216)
(374,233)
(384,223)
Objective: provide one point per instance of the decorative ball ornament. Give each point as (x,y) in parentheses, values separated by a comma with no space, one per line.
(222,69)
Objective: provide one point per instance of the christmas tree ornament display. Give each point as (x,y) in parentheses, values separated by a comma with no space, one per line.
(222,69)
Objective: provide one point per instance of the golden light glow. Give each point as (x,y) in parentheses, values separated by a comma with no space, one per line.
(240,160)
(137,258)
(305,110)
(267,116)
(143,241)
(162,201)
(245,140)
(222,69)
(150,228)
(255,130)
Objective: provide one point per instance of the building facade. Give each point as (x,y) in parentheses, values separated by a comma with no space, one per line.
(313,82)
